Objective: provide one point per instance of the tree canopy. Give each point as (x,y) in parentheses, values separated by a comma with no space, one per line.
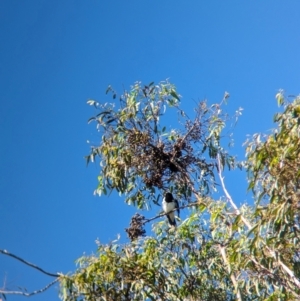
(221,251)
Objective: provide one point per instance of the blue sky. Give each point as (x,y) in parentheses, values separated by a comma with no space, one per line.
(57,54)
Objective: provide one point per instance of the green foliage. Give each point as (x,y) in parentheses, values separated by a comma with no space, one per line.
(152,268)
(273,167)
(221,251)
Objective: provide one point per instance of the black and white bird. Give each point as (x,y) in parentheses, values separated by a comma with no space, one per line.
(169,204)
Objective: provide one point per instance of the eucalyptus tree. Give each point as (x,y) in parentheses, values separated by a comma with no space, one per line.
(221,251)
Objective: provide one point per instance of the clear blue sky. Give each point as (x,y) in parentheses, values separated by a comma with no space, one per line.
(57,54)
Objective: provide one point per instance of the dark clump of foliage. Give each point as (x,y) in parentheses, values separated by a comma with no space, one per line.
(136,228)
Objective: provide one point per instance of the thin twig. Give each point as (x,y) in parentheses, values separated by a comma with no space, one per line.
(190,130)
(28,294)
(28,263)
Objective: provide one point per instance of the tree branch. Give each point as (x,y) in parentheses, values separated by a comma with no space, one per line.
(163,214)
(28,263)
(237,211)
(4,292)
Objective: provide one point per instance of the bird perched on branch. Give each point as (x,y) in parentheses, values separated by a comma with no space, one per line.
(168,205)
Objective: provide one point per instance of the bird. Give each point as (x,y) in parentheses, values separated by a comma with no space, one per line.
(169,204)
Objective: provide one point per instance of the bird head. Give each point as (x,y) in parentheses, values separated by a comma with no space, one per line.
(169,197)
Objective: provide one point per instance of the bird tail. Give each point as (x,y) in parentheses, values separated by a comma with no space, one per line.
(172,223)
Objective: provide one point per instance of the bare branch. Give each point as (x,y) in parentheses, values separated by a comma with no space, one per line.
(237,211)
(28,263)
(4,292)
